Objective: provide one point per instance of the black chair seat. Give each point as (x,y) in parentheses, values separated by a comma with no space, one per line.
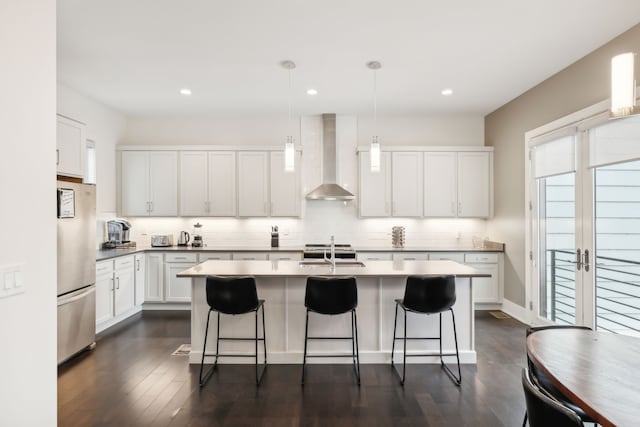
(234,296)
(427,295)
(332,296)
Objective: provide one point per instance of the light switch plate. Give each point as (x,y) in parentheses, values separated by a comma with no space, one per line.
(12,280)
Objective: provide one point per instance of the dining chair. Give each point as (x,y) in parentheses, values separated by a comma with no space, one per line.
(543,410)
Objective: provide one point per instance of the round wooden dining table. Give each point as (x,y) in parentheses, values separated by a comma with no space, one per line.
(597,371)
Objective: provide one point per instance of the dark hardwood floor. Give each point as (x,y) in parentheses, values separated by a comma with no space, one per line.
(131,379)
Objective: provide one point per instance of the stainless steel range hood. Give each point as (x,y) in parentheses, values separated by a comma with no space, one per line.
(329,190)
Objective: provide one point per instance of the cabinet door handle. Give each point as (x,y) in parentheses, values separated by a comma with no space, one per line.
(578,259)
(57,156)
(586,260)
(113,284)
(118,286)
(137,265)
(180,257)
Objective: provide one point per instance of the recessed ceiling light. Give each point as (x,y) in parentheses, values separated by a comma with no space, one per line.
(312,92)
(185,91)
(447,92)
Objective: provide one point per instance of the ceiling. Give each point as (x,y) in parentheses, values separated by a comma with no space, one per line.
(135,56)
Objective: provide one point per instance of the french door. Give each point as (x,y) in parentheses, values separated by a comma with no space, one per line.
(585,226)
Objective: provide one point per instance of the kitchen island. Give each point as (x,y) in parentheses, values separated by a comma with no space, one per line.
(282,285)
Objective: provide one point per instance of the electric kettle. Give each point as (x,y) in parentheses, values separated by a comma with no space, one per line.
(184,238)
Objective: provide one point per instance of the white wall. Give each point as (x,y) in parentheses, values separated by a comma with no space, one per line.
(105,127)
(320,218)
(28,374)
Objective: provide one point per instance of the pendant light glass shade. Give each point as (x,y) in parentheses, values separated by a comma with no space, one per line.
(289,155)
(374,151)
(623,85)
(289,146)
(374,155)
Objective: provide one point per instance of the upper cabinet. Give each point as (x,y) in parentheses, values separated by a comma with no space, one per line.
(475,180)
(253,186)
(285,186)
(207,183)
(375,187)
(429,182)
(71,146)
(149,183)
(406,184)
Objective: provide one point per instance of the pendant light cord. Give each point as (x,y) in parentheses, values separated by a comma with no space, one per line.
(375,104)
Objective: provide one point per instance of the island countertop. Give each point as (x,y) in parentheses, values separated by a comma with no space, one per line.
(287,268)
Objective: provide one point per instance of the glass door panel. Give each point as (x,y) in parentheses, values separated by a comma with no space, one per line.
(617,248)
(557,246)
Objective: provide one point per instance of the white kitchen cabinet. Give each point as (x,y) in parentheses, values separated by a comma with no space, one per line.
(253,184)
(250,256)
(115,290)
(284,187)
(149,183)
(124,284)
(375,187)
(140,279)
(205,256)
(440,184)
(104,291)
(410,256)
(154,289)
(486,289)
(71,147)
(374,256)
(285,256)
(447,256)
(222,184)
(178,289)
(207,183)
(406,181)
(474,184)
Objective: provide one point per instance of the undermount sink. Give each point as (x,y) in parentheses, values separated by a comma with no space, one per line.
(308,264)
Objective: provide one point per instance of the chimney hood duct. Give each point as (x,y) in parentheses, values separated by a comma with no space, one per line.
(329,190)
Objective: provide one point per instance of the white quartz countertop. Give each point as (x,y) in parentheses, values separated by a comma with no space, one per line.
(281,268)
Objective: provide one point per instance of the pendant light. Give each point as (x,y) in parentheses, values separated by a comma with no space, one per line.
(623,85)
(374,152)
(289,145)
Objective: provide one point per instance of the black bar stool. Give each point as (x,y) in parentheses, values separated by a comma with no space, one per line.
(427,295)
(233,295)
(331,296)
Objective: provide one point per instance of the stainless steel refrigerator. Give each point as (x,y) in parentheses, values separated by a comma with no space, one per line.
(76,268)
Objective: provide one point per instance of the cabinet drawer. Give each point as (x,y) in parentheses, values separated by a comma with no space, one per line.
(444,256)
(181,257)
(204,256)
(250,256)
(285,256)
(124,262)
(481,258)
(104,267)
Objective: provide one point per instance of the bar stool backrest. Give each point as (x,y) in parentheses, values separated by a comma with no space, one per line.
(430,294)
(232,295)
(543,411)
(331,295)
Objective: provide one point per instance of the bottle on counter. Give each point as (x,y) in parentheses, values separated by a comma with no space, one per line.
(275,237)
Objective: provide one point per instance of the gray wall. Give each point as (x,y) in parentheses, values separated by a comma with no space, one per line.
(580,85)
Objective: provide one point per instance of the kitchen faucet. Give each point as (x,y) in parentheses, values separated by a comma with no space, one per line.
(332,259)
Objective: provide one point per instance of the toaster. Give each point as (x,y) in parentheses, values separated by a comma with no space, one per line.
(162,240)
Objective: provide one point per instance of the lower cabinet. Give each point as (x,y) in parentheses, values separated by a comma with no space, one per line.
(154,281)
(140,268)
(115,289)
(178,289)
(486,289)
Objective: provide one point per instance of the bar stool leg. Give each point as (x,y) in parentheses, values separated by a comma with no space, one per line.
(354,327)
(204,349)
(256,342)
(304,357)
(264,337)
(404,356)
(393,344)
(457,380)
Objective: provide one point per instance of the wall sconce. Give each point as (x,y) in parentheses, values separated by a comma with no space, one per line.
(623,85)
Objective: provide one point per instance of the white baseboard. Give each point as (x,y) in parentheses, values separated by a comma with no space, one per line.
(366,357)
(111,322)
(159,306)
(516,311)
